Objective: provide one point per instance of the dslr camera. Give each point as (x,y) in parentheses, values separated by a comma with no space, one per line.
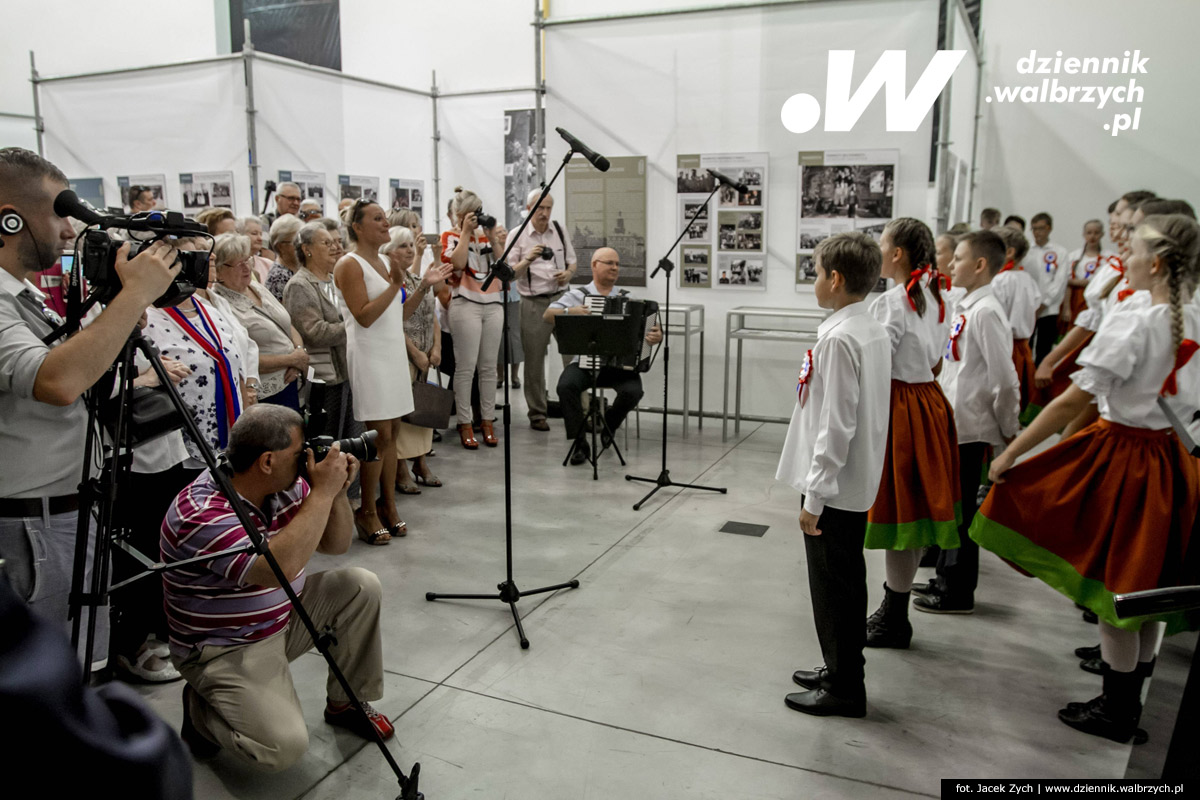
(547,253)
(361,447)
(486,221)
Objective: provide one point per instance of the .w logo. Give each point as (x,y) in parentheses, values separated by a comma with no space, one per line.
(801,112)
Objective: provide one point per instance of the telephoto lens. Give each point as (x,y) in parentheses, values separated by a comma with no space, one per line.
(361,447)
(485,220)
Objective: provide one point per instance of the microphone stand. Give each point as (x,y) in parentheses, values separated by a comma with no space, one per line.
(508,591)
(665,265)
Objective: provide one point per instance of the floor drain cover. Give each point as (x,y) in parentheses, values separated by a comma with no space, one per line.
(744,528)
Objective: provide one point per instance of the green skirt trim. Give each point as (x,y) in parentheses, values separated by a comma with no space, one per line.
(1058,573)
(913,535)
(1029,414)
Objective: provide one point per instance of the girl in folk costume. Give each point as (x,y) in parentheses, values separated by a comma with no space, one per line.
(943,248)
(1083,264)
(1111,509)
(918,500)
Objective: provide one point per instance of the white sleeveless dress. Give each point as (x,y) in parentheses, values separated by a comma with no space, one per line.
(376,356)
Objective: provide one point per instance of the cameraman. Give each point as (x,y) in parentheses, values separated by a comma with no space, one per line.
(43,420)
(541,281)
(233,630)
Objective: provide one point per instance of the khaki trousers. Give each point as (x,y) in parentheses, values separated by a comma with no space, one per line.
(244,699)
(535,339)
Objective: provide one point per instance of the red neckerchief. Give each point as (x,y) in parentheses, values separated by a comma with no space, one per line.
(806,373)
(1187,348)
(1010,266)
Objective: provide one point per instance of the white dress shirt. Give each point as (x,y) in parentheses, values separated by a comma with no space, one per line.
(835,444)
(1050,268)
(1017,292)
(981,383)
(1125,365)
(916,340)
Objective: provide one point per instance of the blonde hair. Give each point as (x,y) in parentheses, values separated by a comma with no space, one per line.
(1175,239)
(397,236)
(404,217)
(230,248)
(463,202)
(209,217)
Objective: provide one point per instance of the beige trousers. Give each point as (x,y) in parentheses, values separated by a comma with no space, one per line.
(535,340)
(244,699)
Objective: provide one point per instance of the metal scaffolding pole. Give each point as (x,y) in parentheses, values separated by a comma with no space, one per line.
(539,82)
(37,104)
(437,167)
(251,111)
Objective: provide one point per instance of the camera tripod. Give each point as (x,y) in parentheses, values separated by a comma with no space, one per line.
(106,489)
(508,591)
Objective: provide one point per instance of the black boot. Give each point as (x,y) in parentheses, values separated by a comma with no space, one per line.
(1114,714)
(889,625)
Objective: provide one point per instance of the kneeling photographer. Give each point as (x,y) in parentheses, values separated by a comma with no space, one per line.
(233,630)
(43,420)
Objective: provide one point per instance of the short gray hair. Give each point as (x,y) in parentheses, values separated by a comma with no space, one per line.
(262,428)
(534,194)
(311,202)
(397,235)
(284,229)
(230,248)
(305,236)
(242,222)
(288,185)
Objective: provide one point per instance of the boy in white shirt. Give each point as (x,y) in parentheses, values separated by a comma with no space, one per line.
(1049,265)
(980,382)
(1018,294)
(834,455)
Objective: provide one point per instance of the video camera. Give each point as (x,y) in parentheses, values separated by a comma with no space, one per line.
(97,253)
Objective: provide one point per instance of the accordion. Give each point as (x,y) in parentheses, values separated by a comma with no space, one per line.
(620,306)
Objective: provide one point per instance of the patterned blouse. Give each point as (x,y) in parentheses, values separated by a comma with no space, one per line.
(419,326)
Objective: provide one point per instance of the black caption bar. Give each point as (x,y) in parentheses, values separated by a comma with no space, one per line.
(1067,789)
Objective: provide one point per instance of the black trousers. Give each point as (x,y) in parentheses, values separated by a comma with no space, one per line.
(574,382)
(837,581)
(1045,333)
(138,608)
(958,569)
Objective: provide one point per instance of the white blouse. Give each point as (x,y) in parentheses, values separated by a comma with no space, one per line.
(1128,360)
(1019,296)
(916,340)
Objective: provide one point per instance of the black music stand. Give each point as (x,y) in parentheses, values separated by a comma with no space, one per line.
(601,338)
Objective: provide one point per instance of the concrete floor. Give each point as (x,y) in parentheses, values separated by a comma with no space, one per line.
(663,675)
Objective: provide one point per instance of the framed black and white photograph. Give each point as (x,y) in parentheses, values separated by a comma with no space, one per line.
(202,190)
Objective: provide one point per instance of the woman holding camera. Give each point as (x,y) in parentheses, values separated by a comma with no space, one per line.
(282,359)
(478,315)
(374,337)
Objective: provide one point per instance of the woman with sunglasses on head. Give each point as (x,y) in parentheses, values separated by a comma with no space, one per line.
(369,288)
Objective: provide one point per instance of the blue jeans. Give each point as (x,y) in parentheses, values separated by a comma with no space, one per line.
(39,558)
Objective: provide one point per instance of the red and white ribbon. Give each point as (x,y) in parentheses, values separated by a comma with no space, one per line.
(1051,259)
(956,331)
(806,373)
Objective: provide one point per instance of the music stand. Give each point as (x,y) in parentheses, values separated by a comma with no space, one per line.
(602,338)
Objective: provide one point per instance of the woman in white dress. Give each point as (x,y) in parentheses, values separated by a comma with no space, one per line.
(376,356)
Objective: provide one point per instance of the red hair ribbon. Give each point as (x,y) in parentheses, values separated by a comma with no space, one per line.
(806,372)
(955,331)
(944,280)
(1187,348)
(914,278)
(1117,264)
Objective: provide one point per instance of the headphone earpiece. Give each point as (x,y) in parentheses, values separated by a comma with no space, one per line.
(11,223)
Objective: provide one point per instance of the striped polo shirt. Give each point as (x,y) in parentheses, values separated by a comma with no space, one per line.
(210,602)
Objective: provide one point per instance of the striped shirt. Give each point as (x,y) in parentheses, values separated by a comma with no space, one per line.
(474,274)
(210,603)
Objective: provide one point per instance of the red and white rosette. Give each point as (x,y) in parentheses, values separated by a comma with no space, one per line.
(1089,269)
(806,373)
(952,354)
(1051,259)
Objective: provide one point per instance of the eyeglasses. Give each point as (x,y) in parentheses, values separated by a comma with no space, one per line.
(294,197)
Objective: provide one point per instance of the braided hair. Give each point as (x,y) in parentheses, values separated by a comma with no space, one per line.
(916,240)
(1175,239)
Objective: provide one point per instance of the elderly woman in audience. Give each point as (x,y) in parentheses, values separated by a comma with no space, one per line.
(422,339)
(252,228)
(335,230)
(412,220)
(311,300)
(369,288)
(282,359)
(310,210)
(283,237)
(217,220)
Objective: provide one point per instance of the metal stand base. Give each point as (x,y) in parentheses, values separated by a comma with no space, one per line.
(663,481)
(509,593)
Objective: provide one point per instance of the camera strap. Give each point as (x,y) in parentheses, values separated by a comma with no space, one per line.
(210,343)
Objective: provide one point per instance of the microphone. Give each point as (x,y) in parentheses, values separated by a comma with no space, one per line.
(68,204)
(727,181)
(598,161)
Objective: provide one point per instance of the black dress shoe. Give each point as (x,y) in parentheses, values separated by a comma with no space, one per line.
(1096,666)
(820,703)
(810,678)
(581,454)
(1085,653)
(926,589)
(943,604)
(1090,617)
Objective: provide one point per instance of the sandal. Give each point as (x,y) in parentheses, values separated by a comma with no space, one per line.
(468,437)
(376,539)
(398,529)
(407,488)
(141,668)
(489,433)
(429,480)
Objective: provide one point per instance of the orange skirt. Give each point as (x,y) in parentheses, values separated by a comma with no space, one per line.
(1023,361)
(1077,303)
(1107,511)
(1062,376)
(918,500)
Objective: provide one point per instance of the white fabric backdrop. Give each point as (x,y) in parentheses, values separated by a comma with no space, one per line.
(715,83)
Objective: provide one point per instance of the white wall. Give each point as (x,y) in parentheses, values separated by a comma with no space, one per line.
(715,83)
(1058,158)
